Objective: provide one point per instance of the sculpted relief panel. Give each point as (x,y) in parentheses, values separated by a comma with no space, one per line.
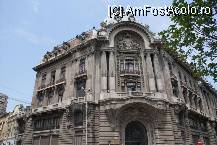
(127,40)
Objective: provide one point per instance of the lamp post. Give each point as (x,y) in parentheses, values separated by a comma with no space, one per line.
(86,107)
(86,111)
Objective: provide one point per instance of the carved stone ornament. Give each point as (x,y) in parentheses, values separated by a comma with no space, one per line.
(128,40)
(128,43)
(82,37)
(131,18)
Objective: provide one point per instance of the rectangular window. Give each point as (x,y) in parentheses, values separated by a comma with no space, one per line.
(43,80)
(52,81)
(46,123)
(136,66)
(78,118)
(80,88)
(121,65)
(62,73)
(131,87)
(129,65)
(82,66)
(138,87)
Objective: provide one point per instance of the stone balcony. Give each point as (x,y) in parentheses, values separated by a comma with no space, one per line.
(52,84)
(130,73)
(56,106)
(81,74)
(61,80)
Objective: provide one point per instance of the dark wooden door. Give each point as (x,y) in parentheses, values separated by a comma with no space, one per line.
(136,134)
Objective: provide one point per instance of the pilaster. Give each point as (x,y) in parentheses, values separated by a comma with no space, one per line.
(111,72)
(152,86)
(103,71)
(158,74)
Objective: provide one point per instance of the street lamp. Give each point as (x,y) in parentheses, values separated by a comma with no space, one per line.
(86,111)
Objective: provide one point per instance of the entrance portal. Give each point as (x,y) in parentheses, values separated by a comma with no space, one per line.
(136,134)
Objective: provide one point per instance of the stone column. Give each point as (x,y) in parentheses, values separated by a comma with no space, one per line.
(145,89)
(150,71)
(167,79)
(89,68)
(77,66)
(111,72)
(158,73)
(103,72)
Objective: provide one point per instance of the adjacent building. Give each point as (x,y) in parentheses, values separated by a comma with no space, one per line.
(3,123)
(136,93)
(10,126)
(3,103)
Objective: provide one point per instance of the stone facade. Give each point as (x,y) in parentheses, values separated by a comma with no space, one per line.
(10,126)
(3,104)
(136,93)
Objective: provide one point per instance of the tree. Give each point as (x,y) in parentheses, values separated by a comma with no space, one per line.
(193,36)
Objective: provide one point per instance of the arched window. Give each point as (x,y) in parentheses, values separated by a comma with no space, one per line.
(136,134)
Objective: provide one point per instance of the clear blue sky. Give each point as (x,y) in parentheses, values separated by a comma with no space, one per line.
(29,28)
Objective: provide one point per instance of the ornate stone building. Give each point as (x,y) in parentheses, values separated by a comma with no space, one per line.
(136,93)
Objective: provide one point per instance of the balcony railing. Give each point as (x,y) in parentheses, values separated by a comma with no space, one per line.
(80,74)
(130,93)
(51,83)
(41,87)
(130,72)
(62,79)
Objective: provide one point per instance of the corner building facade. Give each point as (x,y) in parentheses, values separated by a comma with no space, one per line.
(137,93)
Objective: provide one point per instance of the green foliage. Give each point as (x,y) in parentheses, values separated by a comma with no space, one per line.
(194,36)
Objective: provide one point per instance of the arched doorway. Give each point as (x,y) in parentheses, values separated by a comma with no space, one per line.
(135,134)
